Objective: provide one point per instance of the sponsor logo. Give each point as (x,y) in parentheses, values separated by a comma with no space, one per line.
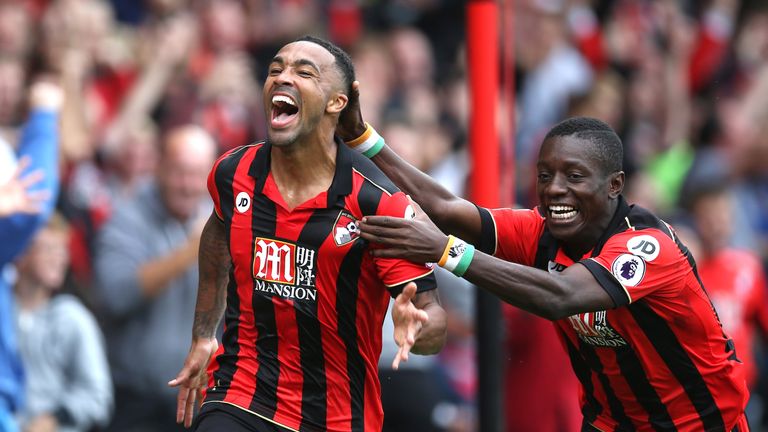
(284,269)
(410,213)
(629,269)
(645,246)
(457,249)
(554,267)
(242,202)
(345,229)
(593,328)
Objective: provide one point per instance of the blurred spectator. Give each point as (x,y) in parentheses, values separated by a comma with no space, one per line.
(38,143)
(68,384)
(734,278)
(554,71)
(146,280)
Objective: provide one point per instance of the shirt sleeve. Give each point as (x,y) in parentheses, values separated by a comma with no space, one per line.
(396,273)
(39,141)
(511,234)
(213,189)
(634,264)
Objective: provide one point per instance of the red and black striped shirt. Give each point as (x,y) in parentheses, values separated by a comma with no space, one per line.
(305,301)
(658,361)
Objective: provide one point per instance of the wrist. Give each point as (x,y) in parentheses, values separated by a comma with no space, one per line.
(457,256)
(369,143)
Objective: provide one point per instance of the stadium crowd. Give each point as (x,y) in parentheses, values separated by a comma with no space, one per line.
(154,90)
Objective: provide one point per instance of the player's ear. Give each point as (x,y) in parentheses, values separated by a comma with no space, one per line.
(337,103)
(616,184)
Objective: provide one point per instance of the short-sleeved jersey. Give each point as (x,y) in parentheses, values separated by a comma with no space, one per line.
(659,360)
(306,300)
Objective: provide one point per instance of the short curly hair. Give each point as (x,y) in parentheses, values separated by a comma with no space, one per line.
(343,62)
(606,147)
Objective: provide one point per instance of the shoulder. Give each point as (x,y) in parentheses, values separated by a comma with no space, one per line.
(66,310)
(230,159)
(367,172)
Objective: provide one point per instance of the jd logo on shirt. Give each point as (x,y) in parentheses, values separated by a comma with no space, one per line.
(243,202)
(645,246)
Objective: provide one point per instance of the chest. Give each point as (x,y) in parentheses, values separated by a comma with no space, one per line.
(293,248)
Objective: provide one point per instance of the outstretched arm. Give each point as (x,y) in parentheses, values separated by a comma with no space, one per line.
(551,296)
(214,263)
(452,214)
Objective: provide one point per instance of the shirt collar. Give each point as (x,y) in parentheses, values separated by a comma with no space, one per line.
(342,178)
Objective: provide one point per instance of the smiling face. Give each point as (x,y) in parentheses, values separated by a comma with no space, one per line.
(576,194)
(303,88)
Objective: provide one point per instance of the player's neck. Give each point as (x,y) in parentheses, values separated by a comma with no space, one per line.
(304,170)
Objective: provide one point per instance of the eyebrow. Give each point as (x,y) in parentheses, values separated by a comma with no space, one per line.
(299,62)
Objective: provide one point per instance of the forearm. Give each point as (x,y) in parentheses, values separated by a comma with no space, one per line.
(214,263)
(432,337)
(422,188)
(527,288)
(154,276)
(450,213)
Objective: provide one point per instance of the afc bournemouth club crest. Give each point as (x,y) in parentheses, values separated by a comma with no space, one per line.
(345,229)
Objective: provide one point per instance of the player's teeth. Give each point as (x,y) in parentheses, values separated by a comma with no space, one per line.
(284,99)
(566,215)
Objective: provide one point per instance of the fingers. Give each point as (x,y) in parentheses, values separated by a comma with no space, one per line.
(402,355)
(182,379)
(190,408)
(407,294)
(181,404)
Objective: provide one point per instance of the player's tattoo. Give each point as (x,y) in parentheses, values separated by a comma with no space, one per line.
(214,263)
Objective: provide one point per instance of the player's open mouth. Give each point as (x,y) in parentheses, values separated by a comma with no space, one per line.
(284,110)
(562,212)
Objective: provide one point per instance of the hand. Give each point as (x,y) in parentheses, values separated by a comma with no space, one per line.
(46,95)
(42,423)
(16,196)
(193,379)
(417,239)
(351,124)
(408,321)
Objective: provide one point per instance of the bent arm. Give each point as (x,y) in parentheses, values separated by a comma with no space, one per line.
(433,333)
(450,213)
(552,296)
(214,263)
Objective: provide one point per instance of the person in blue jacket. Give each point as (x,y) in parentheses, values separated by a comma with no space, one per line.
(30,197)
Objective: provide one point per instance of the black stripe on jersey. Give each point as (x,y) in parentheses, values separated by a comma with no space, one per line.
(314,410)
(669,349)
(488,239)
(224,178)
(263,223)
(545,251)
(730,347)
(608,282)
(617,409)
(368,198)
(646,395)
(592,407)
(346,309)
(370,171)
(222,377)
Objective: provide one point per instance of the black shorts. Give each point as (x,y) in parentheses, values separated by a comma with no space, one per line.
(217,417)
